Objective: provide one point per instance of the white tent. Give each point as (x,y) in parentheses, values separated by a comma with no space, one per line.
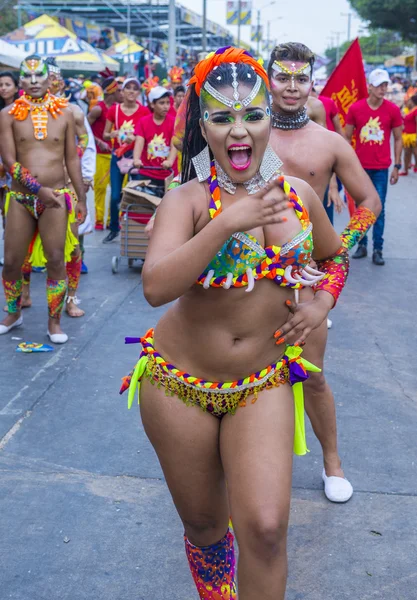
(10,56)
(46,37)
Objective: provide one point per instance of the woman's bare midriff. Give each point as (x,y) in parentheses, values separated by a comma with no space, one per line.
(224,335)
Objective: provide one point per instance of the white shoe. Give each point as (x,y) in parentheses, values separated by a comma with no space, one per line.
(337,489)
(329,324)
(4,329)
(58,338)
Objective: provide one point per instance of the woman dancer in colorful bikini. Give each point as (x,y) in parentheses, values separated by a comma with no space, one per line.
(232,245)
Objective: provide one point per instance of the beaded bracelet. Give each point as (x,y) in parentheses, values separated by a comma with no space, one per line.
(25,178)
(337,270)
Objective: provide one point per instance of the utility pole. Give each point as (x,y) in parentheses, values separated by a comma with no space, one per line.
(239,10)
(268,43)
(128,35)
(204,41)
(150,33)
(349,17)
(337,34)
(172,50)
(258,33)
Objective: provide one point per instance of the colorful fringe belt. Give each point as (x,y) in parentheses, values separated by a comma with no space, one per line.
(221,398)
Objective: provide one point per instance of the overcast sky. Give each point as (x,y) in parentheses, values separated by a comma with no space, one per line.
(309,21)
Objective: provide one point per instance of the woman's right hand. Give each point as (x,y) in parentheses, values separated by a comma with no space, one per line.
(137,163)
(258,210)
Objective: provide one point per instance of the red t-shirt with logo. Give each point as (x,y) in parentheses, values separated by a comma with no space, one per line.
(373,132)
(125,123)
(157,144)
(331,111)
(410,121)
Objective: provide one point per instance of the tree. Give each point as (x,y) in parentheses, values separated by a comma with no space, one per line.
(8,17)
(376,48)
(395,15)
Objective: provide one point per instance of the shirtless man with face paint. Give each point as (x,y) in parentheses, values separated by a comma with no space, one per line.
(311,152)
(37,139)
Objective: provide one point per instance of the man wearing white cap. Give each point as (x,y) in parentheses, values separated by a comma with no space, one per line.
(374,119)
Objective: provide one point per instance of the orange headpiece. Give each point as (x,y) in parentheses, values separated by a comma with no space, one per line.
(149,84)
(176,74)
(111,86)
(229,54)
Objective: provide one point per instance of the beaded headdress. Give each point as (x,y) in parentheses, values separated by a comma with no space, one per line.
(33,65)
(271,164)
(232,56)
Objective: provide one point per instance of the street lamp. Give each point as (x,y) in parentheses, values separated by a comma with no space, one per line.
(269,32)
(349,16)
(258,26)
(204,41)
(337,34)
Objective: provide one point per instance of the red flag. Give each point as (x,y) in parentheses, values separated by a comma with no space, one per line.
(347,84)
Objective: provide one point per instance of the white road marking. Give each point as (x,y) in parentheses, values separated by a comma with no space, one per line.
(8,410)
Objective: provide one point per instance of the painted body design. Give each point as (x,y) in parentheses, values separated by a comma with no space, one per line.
(293,71)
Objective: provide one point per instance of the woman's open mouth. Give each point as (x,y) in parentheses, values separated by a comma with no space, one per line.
(240,156)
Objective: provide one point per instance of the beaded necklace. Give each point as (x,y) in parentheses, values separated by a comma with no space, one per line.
(38,109)
(297,120)
(215,207)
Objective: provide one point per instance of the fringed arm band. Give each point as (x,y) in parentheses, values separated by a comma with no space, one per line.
(25,178)
(362,220)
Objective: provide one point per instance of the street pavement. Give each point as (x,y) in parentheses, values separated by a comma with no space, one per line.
(84,510)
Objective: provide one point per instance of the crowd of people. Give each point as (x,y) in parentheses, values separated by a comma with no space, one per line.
(259,161)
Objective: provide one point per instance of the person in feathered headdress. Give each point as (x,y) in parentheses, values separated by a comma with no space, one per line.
(176,75)
(39,131)
(235,412)
(149,84)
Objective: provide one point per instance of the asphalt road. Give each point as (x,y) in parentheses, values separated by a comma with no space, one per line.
(84,510)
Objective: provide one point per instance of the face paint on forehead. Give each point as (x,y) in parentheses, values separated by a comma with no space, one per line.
(33,66)
(237,103)
(293,69)
(208,102)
